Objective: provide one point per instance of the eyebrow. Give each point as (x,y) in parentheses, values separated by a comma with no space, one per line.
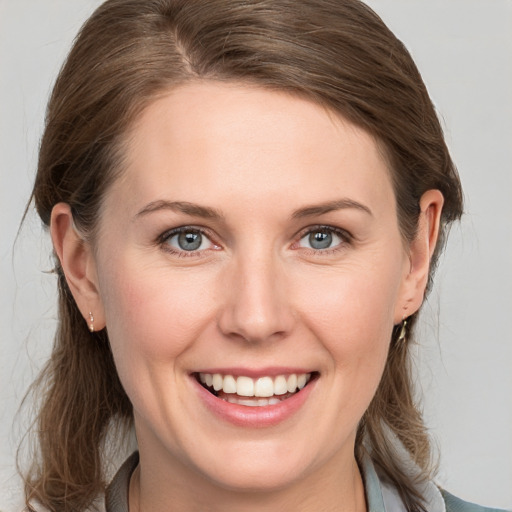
(182,207)
(330,206)
(206,212)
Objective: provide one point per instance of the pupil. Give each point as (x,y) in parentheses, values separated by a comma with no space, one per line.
(189,241)
(320,240)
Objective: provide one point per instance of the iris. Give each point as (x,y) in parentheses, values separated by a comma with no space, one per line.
(320,239)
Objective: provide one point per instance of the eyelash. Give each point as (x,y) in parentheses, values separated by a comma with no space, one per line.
(345,236)
(164,238)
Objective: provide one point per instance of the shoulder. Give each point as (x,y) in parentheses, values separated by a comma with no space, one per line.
(454,504)
(116,496)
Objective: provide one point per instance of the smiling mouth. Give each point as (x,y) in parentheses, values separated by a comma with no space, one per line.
(259,392)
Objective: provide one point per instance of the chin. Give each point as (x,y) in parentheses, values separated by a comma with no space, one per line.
(256,478)
(265,466)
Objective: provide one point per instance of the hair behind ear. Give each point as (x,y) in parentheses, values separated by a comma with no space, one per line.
(393,413)
(82,390)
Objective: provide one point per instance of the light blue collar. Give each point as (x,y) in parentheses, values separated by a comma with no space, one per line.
(382,496)
(374,498)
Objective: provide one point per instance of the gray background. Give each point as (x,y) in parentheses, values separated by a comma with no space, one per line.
(464,50)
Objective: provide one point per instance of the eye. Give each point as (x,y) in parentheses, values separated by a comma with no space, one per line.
(323,238)
(187,240)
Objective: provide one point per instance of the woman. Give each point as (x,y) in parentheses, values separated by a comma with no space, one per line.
(246,202)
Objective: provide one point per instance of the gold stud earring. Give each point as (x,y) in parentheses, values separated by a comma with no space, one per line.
(91,322)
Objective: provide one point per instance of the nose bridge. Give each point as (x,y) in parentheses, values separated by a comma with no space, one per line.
(256,307)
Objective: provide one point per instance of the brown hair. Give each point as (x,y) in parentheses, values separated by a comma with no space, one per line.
(337,53)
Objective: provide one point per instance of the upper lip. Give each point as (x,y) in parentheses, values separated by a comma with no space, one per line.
(272,371)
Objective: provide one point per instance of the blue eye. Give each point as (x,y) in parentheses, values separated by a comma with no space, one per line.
(321,238)
(188,240)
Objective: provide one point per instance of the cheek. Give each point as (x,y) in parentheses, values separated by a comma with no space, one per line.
(355,305)
(352,313)
(152,317)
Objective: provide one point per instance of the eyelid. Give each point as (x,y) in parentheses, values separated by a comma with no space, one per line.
(325,227)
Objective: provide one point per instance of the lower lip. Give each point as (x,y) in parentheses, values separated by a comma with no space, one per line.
(254,417)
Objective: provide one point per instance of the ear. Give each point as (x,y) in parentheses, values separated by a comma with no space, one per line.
(420,254)
(77,261)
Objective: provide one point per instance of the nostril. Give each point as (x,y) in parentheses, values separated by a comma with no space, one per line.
(258,310)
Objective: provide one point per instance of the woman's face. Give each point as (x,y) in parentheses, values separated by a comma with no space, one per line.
(252,243)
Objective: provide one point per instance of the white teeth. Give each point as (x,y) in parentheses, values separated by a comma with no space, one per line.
(229,384)
(250,403)
(217,381)
(291,383)
(266,388)
(244,386)
(261,402)
(280,385)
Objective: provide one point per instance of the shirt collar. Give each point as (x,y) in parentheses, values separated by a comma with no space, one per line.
(374,498)
(380,496)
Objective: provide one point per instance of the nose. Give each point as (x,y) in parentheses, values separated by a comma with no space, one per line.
(256,305)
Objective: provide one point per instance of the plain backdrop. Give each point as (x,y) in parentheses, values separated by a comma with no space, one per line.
(464,50)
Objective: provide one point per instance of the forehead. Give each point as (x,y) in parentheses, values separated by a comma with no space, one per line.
(207,137)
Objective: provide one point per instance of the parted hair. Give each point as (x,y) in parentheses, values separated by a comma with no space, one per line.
(336,53)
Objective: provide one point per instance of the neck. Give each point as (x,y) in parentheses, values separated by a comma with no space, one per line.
(329,490)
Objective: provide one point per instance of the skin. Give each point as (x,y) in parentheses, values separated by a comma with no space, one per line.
(255,295)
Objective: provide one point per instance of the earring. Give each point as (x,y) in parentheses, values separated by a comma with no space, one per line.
(402,337)
(91,322)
